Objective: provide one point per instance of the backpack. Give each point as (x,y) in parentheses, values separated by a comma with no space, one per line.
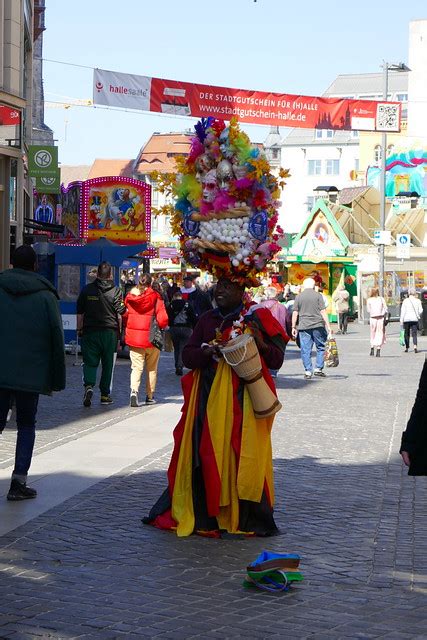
(182,316)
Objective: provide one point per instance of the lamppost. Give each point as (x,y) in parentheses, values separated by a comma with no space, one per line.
(386,68)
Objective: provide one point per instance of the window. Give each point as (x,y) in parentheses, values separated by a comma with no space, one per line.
(13,181)
(319,133)
(355,134)
(356,164)
(154,197)
(329,133)
(275,153)
(324,133)
(310,202)
(314,167)
(332,167)
(390,149)
(377,154)
(402,97)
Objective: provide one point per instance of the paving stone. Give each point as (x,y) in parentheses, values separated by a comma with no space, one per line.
(89,569)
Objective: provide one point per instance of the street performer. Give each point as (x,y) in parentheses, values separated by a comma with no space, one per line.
(221,472)
(220,477)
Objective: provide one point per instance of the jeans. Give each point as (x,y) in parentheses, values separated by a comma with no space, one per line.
(26,410)
(180,336)
(343,321)
(309,337)
(411,328)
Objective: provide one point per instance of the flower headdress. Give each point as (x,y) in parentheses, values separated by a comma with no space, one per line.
(226,208)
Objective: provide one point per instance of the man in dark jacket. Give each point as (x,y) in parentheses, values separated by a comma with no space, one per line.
(99,309)
(33,359)
(198,300)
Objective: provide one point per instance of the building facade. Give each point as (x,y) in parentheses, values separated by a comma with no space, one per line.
(325,157)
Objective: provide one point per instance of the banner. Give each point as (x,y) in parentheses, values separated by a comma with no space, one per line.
(116,208)
(49,184)
(254,107)
(42,160)
(10,126)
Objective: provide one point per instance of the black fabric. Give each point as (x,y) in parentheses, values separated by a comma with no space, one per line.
(410,328)
(101,302)
(414,438)
(199,302)
(181,314)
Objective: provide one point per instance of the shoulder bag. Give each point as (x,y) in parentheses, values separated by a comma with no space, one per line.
(156,334)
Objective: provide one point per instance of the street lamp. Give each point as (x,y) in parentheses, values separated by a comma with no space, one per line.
(386,68)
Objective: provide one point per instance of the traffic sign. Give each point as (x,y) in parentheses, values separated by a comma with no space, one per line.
(403,245)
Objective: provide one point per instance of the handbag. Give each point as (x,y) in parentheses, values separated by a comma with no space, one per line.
(419,318)
(331,353)
(387,317)
(402,338)
(156,334)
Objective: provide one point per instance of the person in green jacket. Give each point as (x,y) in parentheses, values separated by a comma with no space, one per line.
(33,358)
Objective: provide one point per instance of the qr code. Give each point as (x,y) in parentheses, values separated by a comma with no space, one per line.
(388,117)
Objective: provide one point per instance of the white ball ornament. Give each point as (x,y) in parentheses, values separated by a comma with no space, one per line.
(242,239)
(239,257)
(235,262)
(246,261)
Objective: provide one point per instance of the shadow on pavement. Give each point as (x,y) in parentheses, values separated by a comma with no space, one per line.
(89,568)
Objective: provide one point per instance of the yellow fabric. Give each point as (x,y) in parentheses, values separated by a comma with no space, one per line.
(182,499)
(256,463)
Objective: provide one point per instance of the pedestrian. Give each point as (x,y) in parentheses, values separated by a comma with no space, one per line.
(199,300)
(144,306)
(377,308)
(99,310)
(33,357)
(414,439)
(341,299)
(410,313)
(181,323)
(278,311)
(311,324)
(221,472)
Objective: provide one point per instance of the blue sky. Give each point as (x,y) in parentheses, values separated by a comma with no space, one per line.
(274,45)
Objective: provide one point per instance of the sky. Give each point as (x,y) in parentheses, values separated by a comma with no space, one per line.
(285,46)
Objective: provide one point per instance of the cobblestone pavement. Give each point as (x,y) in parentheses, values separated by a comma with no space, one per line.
(62,417)
(89,569)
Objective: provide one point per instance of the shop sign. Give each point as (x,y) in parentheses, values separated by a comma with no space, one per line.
(168,252)
(403,246)
(256,107)
(49,184)
(10,126)
(42,161)
(382,236)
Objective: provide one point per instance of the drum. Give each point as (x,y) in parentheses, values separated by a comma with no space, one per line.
(242,355)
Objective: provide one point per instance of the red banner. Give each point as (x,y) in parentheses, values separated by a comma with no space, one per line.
(9,116)
(254,107)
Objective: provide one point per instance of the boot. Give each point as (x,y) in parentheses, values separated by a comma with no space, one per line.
(372,351)
(19,491)
(378,353)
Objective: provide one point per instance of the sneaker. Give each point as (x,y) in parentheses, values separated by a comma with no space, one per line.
(106,399)
(19,491)
(87,398)
(150,400)
(307,375)
(319,373)
(406,350)
(134,399)
(371,353)
(415,350)
(179,371)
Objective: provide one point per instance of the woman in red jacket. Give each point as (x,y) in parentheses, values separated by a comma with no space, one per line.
(142,303)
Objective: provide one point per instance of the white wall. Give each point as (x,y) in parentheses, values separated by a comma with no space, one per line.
(300,185)
(417,88)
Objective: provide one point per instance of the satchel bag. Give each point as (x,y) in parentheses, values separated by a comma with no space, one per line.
(156,334)
(419,317)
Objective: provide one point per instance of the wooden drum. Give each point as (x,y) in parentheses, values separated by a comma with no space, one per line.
(242,355)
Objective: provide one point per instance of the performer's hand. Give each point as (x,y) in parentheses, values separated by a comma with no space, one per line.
(212,350)
(294,332)
(406,458)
